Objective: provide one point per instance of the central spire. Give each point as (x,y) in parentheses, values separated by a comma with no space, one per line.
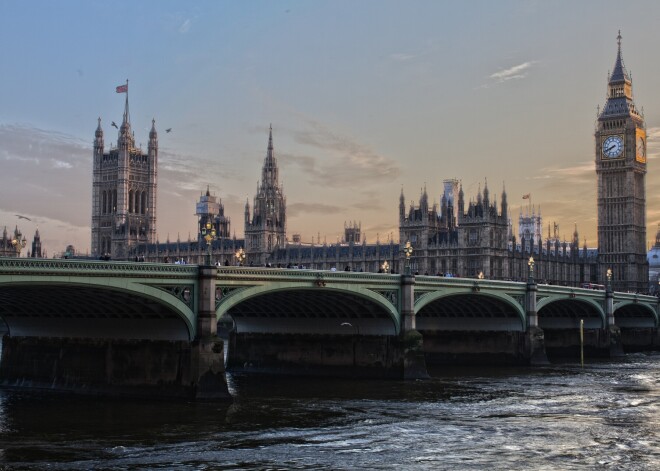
(270,139)
(269,173)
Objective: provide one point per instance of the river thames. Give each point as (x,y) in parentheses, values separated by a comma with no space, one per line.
(605,416)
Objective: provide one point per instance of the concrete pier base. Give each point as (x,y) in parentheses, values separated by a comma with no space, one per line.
(598,343)
(611,341)
(414,361)
(364,356)
(640,339)
(534,347)
(132,368)
(483,348)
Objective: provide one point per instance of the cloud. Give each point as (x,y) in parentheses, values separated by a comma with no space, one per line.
(181,173)
(46,177)
(61,164)
(44,165)
(558,178)
(343,162)
(369,206)
(29,147)
(17,158)
(298,209)
(425,49)
(185,26)
(584,169)
(517,72)
(652,143)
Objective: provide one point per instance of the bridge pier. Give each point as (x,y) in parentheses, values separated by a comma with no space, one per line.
(611,335)
(414,362)
(208,359)
(534,343)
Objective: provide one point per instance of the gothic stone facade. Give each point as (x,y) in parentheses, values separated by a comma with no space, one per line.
(474,238)
(123,192)
(265,230)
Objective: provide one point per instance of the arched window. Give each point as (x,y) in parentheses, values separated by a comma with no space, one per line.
(130,201)
(114,201)
(104,203)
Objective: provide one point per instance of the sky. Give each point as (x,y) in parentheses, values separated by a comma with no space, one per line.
(365,98)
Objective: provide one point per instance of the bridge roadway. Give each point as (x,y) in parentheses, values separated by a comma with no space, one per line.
(151,329)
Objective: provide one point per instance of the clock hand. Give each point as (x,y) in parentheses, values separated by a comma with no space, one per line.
(610,148)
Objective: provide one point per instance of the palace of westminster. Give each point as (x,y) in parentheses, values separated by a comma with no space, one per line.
(460,237)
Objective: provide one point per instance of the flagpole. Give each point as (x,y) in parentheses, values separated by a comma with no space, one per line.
(128,117)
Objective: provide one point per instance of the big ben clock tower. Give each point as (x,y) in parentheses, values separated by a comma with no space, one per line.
(621,169)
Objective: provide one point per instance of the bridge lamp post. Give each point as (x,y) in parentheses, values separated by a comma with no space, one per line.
(480,275)
(385,267)
(608,274)
(240,256)
(209,235)
(530,263)
(407,250)
(18,243)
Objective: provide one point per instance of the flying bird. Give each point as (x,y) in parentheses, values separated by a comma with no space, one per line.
(22,217)
(168,130)
(115,125)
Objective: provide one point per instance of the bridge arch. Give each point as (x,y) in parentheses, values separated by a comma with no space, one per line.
(561,312)
(485,311)
(103,307)
(282,308)
(631,314)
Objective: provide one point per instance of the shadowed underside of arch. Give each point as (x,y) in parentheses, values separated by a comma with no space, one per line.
(85,311)
(469,312)
(311,312)
(634,316)
(566,314)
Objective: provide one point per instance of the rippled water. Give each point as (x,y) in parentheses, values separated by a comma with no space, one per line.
(605,416)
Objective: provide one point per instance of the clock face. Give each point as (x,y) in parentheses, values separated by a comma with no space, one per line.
(641,150)
(613,147)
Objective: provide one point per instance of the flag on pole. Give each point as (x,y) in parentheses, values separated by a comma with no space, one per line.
(122,88)
(526,197)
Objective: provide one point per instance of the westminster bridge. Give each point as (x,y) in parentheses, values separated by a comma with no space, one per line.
(152,329)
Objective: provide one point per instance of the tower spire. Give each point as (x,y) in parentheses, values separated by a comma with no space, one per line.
(98,137)
(269,173)
(620,95)
(619,73)
(270,138)
(267,228)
